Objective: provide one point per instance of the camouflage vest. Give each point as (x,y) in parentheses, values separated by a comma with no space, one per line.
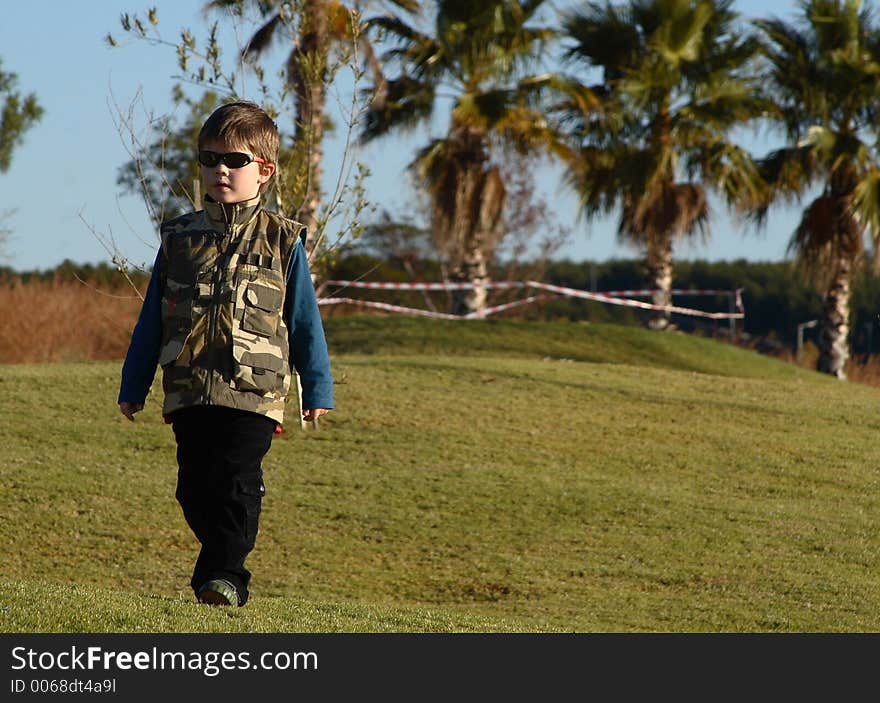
(224,336)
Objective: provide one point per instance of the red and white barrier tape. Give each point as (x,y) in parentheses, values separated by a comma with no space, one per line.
(506,306)
(612,297)
(443,285)
(421,286)
(674,291)
(428,313)
(389,308)
(602,297)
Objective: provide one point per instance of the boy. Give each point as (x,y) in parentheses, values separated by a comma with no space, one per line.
(229,308)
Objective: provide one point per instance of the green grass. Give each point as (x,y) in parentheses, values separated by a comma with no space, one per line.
(43,606)
(479,476)
(596,343)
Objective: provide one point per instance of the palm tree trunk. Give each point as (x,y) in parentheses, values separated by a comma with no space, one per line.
(659,266)
(466,217)
(472,270)
(833,346)
(307,69)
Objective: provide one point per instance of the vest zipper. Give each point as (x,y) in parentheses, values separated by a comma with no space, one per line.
(222,246)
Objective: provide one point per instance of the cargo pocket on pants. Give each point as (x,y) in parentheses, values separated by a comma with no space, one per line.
(251,490)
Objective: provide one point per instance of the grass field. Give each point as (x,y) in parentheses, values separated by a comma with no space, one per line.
(480,476)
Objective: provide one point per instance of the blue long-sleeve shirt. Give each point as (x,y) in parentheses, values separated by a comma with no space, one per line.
(308,345)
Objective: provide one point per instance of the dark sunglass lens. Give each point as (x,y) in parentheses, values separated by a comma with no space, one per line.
(236,159)
(209,158)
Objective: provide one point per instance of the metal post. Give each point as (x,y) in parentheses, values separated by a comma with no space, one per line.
(800,335)
(731,307)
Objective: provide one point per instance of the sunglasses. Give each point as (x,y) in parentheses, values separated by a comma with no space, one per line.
(231,159)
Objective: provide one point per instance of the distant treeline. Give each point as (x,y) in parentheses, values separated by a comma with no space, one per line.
(776,299)
(96,274)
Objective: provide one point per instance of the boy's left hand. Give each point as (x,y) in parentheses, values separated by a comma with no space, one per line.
(129,409)
(312,414)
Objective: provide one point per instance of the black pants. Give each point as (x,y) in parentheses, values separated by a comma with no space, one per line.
(220,487)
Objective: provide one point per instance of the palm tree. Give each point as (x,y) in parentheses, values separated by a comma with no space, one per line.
(822,74)
(672,86)
(475,57)
(323,25)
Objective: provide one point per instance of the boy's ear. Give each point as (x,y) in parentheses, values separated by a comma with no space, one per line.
(266,171)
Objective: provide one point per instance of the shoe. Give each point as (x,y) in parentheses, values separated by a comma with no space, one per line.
(218,592)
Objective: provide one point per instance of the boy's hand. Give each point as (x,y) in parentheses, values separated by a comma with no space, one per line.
(312,414)
(129,409)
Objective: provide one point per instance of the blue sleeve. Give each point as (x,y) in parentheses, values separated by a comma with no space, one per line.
(308,346)
(143,350)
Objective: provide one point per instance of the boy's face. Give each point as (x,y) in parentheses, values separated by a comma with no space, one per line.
(232,185)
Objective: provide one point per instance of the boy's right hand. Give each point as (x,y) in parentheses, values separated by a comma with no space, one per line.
(129,409)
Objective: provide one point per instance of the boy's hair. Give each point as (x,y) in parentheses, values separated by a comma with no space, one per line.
(242,124)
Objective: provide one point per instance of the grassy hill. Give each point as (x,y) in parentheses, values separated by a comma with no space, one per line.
(479,476)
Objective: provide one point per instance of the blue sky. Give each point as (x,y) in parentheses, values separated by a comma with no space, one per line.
(61,189)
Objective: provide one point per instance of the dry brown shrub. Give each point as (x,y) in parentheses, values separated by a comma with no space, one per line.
(861,368)
(59,320)
(864,370)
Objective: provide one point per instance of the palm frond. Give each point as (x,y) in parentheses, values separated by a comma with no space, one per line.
(603,36)
(866,204)
(262,38)
(599,176)
(680,37)
(732,171)
(395,29)
(785,174)
(402,104)
(720,105)
(792,77)
(430,160)
(573,101)
(680,210)
(827,232)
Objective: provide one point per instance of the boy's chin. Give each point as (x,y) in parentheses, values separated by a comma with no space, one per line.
(226,197)
(229,197)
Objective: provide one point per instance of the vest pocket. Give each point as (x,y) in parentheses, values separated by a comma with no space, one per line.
(261,305)
(176,321)
(256,364)
(258,359)
(175,344)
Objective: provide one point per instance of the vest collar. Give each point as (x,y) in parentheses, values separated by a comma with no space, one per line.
(223,216)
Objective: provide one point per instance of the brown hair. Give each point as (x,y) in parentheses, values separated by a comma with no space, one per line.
(242,124)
